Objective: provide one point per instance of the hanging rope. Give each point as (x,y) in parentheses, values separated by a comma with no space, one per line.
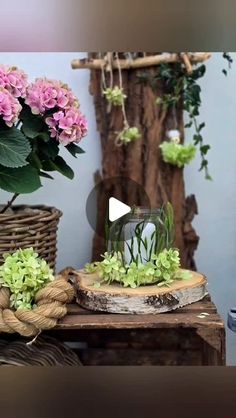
(126,124)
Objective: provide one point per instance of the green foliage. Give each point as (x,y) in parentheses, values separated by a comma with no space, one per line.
(115,95)
(14,148)
(160,266)
(162,269)
(178,154)
(161,238)
(182,90)
(58,164)
(74,149)
(28,153)
(129,134)
(32,125)
(19,180)
(24,273)
(229,60)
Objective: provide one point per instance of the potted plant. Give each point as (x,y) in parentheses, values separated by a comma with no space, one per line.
(36,120)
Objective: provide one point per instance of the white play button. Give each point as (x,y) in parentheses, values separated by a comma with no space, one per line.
(117,209)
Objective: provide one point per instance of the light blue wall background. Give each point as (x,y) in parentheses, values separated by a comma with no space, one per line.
(216,222)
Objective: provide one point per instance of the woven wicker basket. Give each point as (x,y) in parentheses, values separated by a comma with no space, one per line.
(45,351)
(30,226)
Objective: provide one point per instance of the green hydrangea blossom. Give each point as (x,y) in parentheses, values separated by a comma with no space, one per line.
(162,270)
(129,135)
(115,95)
(177,154)
(167,263)
(24,273)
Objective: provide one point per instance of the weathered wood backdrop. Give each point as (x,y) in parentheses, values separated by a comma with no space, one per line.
(141,160)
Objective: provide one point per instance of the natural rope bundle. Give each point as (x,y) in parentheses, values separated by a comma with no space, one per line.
(50,300)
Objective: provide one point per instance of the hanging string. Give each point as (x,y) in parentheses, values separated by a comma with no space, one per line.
(126,124)
(109,58)
(103,77)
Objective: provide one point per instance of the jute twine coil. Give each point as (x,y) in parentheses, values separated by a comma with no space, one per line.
(51,306)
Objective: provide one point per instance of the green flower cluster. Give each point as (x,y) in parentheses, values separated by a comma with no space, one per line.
(129,135)
(115,95)
(177,154)
(162,270)
(24,273)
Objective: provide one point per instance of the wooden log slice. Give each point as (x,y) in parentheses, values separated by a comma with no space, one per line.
(142,300)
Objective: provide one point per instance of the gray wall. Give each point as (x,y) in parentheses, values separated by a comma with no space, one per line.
(216,222)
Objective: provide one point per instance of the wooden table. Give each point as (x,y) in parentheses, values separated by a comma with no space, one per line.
(179,337)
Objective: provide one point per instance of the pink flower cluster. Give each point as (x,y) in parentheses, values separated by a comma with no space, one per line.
(9,107)
(67,125)
(51,99)
(13,80)
(44,95)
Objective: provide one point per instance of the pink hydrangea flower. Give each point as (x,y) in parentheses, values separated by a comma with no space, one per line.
(67,125)
(13,80)
(9,107)
(44,95)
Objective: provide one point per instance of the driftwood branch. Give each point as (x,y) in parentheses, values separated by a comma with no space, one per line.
(187,62)
(147,61)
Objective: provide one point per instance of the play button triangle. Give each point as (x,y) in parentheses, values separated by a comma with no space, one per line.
(117,209)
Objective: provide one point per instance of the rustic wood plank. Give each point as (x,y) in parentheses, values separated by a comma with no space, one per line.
(133,357)
(158,339)
(175,338)
(213,346)
(139,321)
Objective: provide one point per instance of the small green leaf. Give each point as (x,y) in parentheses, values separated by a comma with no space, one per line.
(201,126)
(46,175)
(204,149)
(188,125)
(74,149)
(197,138)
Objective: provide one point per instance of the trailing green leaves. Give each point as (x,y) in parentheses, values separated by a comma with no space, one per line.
(14,148)
(182,89)
(19,180)
(229,60)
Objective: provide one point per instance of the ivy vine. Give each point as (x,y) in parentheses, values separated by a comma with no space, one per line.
(181,89)
(229,60)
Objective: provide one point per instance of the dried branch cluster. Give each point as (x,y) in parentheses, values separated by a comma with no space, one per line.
(188,58)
